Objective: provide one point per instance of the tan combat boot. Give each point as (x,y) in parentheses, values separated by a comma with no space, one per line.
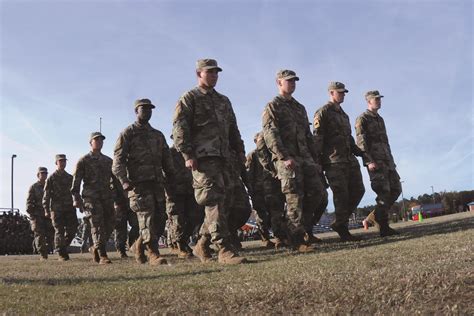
(63,256)
(154,255)
(95,254)
(311,239)
(202,249)
(184,252)
(268,244)
(227,256)
(103,256)
(139,250)
(304,248)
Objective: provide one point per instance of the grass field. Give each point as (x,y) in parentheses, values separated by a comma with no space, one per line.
(428,269)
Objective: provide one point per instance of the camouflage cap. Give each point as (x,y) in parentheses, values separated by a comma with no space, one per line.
(141,102)
(372,95)
(42,170)
(60,157)
(95,135)
(204,64)
(337,86)
(287,75)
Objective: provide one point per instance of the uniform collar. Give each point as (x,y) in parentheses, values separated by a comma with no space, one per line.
(204,91)
(335,106)
(371,113)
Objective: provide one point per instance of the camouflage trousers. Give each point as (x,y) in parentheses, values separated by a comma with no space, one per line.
(348,189)
(303,191)
(318,211)
(147,200)
(211,184)
(65,227)
(184,217)
(86,233)
(101,219)
(275,204)
(263,215)
(43,230)
(124,216)
(239,207)
(386,184)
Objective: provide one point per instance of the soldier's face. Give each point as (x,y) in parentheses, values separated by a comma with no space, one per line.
(144,113)
(287,86)
(97,143)
(208,77)
(337,96)
(42,176)
(61,164)
(374,103)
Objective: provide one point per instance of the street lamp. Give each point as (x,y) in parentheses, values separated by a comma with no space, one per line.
(13,157)
(432,191)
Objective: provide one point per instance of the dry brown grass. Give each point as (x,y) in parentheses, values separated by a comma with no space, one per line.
(428,269)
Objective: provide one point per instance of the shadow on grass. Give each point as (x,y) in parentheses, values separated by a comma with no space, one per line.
(79,280)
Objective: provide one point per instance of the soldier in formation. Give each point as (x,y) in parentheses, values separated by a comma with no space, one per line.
(142,163)
(94,170)
(58,205)
(204,132)
(41,226)
(372,140)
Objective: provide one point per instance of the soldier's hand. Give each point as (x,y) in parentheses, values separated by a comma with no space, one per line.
(290,164)
(191,164)
(127,186)
(372,166)
(47,215)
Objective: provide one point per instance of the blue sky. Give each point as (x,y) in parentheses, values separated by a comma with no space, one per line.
(64,64)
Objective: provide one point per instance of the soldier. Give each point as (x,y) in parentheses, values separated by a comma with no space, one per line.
(183,211)
(373,142)
(332,131)
(288,137)
(274,198)
(86,233)
(124,216)
(95,170)
(255,180)
(40,225)
(141,156)
(58,205)
(204,131)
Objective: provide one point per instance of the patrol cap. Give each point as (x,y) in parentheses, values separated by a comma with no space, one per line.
(373,94)
(95,135)
(337,86)
(287,74)
(60,157)
(42,170)
(204,64)
(141,102)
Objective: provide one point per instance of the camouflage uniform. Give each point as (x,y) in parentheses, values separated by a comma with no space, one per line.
(40,225)
(205,128)
(288,136)
(184,213)
(333,138)
(124,216)
(57,200)
(95,171)
(255,178)
(141,156)
(238,202)
(373,142)
(86,232)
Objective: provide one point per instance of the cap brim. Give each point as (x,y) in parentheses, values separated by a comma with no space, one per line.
(146,104)
(211,67)
(101,136)
(291,77)
(342,90)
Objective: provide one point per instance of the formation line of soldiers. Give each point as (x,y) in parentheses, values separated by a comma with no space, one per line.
(204,181)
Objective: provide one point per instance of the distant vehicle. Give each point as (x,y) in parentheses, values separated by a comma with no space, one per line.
(427,210)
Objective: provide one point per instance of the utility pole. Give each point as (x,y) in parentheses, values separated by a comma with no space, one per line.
(13,157)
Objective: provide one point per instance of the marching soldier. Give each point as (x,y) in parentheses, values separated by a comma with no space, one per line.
(40,225)
(373,142)
(58,205)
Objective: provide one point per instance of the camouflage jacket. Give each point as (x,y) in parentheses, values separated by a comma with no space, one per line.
(95,170)
(372,138)
(57,192)
(141,154)
(184,176)
(254,173)
(332,134)
(204,125)
(34,201)
(265,158)
(286,129)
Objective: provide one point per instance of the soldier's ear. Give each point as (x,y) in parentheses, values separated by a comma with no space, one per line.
(198,73)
